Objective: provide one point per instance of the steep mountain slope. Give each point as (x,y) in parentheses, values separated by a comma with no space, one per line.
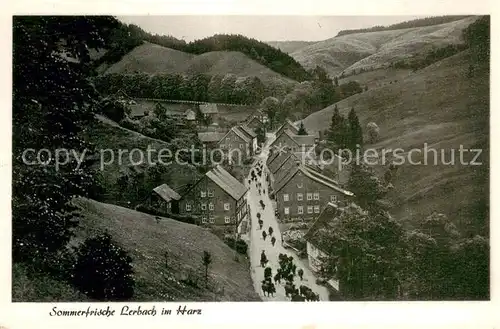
(153,59)
(375,49)
(147,241)
(290,46)
(444,108)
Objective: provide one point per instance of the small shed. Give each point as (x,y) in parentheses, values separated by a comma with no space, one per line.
(165,198)
(190,115)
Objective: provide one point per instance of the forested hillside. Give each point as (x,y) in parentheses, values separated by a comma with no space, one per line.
(127,37)
(428,21)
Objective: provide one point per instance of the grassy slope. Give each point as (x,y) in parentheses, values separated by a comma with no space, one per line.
(147,240)
(29,287)
(289,46)
(374,49)
(150,58)
(439,106)
(154,59)
(377,78)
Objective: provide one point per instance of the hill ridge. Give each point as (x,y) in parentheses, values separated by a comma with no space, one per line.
(369,50)
(154,59)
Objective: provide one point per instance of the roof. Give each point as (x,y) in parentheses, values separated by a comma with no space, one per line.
(121,93)
(307,140)
(327,181)
(238,133)
(273,157)
(288,133)
(314,175)
(289,125)
(252,117)
(208,108)
(227,182)
(285,179)
(210,136)
(247,130)
(318,234)
(281,160)
(166,193)
(242,135)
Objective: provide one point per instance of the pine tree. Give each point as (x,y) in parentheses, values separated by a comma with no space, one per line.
(207,260)
(355,132)
(338,131)
(302,129)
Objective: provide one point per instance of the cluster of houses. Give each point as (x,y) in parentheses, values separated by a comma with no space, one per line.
(303,188)
(302,192)
(297,184)
(217,198)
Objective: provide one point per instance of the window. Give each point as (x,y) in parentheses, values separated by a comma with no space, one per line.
(212,219)
(287,210)
(333,198)
(316,209)
(203,206)
(241,146)
(204,219)
(285,197)
(309,209)
(211,206)
(226,206)
(203,194)
(227,219)
(316,195)
(309,196)
(300,196)
(210,193)
(169,205)
(300,185)
(300,210)
(188,207)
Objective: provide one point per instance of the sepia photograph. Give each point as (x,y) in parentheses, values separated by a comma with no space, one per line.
(189,158)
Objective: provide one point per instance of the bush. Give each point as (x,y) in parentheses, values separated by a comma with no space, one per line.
(114,110)
(103,270)
(241,246)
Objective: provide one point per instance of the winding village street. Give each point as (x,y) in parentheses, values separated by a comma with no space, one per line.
(259,244)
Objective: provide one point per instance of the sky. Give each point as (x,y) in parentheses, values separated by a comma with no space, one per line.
(263,28)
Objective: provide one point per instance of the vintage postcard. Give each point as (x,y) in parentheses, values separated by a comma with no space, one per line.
(163,164)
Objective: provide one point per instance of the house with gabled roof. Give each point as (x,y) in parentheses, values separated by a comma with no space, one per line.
(254,122)
(210,138)
(247,131)
(190,115)
(165,198)
(123,96)
(302,193)
(288,125)
(217,198)
(318,237)
(284,142)
(209,110)
(235,143)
